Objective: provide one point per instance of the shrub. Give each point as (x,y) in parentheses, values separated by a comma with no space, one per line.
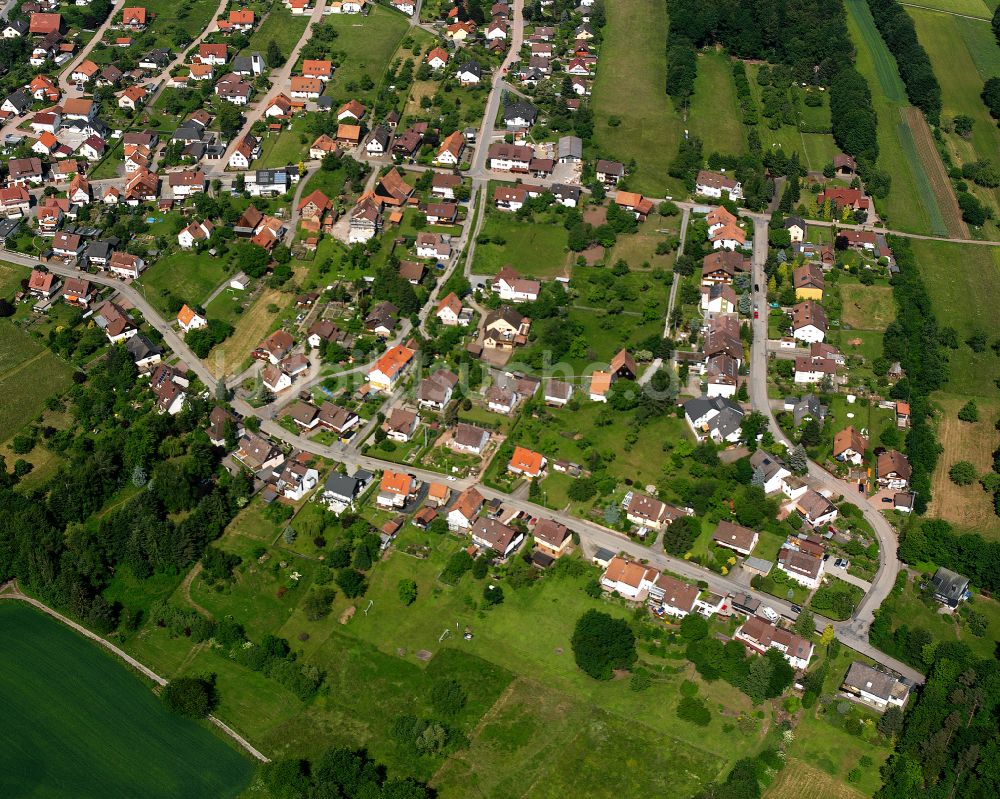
(191,697)
(317,604)
(694,710)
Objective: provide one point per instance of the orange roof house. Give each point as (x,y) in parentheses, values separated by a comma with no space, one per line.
(317,68)
(527,462)
(134,17)
(600,383)
(44,24)
(387,369)
(396,483)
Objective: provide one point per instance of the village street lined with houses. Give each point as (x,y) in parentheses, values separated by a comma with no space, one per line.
(347,305)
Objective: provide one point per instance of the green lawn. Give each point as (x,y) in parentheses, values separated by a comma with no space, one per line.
(77,722)
(649,128)
(364,46)
(22,360)
(187,275)
(288,146)
(535,249)
(715,114)
(964,284)
(961,86)
(897,150)
(280,26)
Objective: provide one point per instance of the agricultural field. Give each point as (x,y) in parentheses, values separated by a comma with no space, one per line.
(981,9)
(77,717)
(905,148)
(714,115)
(21,359)
(967,507)
(647,128)
(949,42)
(964,283)
(280,26)
(366,46)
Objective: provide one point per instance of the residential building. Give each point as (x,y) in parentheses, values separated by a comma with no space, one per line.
(760,635)
(950,588)
(809,322)
(874,687)
(552,537)
(715,184)
(717,418)
(435,391)
(526,463)
(735,537)
(893,470)
(849,446)
(469,438)
(463,513)
(493,534)
(815,509)
(802,567)
(628,579)
(389,368)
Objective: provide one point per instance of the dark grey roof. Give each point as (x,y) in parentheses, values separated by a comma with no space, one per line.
(20,25)
(20,100)
(794,220)
(863,677)
(340,485)
(472,67)
(140,347)
(8,227)
(520,110)
(950,585)
(324,103)
(563,192)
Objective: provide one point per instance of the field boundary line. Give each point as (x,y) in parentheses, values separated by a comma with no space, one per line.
(10,590)
(949,13)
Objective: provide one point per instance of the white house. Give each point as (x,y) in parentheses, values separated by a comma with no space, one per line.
(463,513)
(629,579)
(189,319)
(718,418)
(772,471)
(802,567)
(715,184)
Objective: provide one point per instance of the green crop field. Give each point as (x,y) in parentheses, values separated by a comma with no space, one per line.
(366,45)
(22,359)
(715,116)
(964,284)
(897,150)
(648,127)
(78,723)
(961,86)
(981,45)
(281,26)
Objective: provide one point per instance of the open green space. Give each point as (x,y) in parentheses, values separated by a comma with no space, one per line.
(814,149)
(535,249)
(364,46)
(287,146)
(897,149)
(78,723)
(961,86)
(964,284)
(187,275)
(168,16)
(22,361)
(981,45)
(647,128)
(715,114)
(280,26)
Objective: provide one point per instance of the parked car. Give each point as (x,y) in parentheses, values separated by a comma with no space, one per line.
(841,563)
(769,613)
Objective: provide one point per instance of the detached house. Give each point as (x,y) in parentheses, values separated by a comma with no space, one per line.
(759,635)
(43,284)
(646,511)
(526,463)
(735,537)
(492,534)
(715,184)
(465,510)
(893,470)
(717,418)
(388,369)
(875,687)
(809,322)
(190,319)
(849,446)
(509,286)
(815,509)
(628,579)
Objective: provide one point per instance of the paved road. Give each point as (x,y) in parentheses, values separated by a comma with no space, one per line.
(65,84)
(853,632)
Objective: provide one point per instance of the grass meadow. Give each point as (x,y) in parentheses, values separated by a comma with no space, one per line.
(22,360)
(535,249)
(949,42)
(715,115)
(185,274)
(366,46)
(79,723)
(897,149)
(281,26)
(646,128)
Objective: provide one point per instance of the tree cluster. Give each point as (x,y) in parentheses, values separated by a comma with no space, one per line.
(900,35)
(602,644)
(338,774)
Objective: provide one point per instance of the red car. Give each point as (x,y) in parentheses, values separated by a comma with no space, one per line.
(756,314)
